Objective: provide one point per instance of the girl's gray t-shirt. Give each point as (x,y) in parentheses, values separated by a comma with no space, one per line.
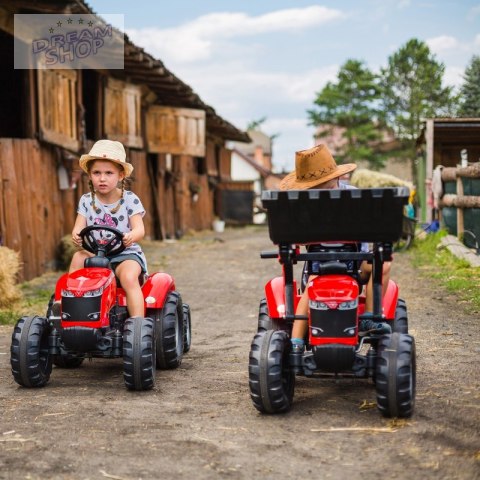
(130,205)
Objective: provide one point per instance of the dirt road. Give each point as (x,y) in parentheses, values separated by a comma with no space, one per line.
(199,421)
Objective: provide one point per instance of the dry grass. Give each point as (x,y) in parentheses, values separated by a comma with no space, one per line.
(66,250)
(9,267)
(363,178)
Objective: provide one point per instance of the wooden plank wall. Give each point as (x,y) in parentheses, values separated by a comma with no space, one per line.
(140,184)
(34,212)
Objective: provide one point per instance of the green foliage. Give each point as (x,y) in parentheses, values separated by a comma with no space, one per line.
(456,275)
(352,103)
(470,90)
(413,91)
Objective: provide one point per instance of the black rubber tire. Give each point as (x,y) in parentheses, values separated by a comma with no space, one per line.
(271,381)
(264,321)
(31,363)
(396,375)
(139,353)
(403,243)
(169,327)
(187,328)
(400,323)
(68,361)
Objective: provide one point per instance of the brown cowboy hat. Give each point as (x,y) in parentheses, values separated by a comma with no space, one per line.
(314,166)
(107,150)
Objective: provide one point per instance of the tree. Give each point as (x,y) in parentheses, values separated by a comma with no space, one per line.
(352,104)
(254,124)
(470,90)
(413,91)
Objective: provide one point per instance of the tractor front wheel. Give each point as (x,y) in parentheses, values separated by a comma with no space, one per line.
(271,381)
(396,375)
(139,353)
(31,363)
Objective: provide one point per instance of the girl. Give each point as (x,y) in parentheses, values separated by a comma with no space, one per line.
(108,203)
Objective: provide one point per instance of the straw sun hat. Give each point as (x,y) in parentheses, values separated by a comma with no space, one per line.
(314,167)
(107,150)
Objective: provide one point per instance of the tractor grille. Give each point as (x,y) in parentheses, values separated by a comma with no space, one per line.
(81,309)
(333,323)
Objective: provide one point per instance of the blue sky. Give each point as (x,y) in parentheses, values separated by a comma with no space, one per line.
(250,59)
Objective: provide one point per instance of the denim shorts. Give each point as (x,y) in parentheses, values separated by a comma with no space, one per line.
(117,259)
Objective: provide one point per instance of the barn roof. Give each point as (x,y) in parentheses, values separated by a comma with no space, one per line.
(141,67)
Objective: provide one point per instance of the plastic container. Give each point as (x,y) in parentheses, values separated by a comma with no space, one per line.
(308,216)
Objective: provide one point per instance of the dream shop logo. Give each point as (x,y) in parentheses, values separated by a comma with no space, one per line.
(69,43)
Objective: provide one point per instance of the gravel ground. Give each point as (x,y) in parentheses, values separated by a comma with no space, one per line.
(199,421)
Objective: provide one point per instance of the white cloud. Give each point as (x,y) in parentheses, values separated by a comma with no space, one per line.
(197,39)
(232,89)
(443,43)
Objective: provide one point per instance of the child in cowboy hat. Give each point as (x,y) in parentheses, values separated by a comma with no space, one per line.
(315,168)
(108,203)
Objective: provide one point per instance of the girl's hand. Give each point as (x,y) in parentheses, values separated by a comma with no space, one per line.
(77,240)
(127,239)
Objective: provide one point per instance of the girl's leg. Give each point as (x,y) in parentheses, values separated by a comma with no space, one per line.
(78,260)
(300,327)
(367,273)
(128,272)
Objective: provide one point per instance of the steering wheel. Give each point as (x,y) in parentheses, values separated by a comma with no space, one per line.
(101,244)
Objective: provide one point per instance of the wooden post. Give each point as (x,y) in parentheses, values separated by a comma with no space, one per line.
(427,213)
(460,223)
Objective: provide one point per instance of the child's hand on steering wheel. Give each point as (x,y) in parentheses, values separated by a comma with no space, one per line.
(127,239)
(77,240)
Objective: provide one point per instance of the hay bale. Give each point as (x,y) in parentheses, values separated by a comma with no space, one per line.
(9,268)
(363,178)
(66,250)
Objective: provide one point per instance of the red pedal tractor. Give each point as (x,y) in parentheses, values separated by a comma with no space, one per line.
(335,221)
(87,317)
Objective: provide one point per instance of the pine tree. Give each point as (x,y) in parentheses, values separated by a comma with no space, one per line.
(470,90)
(351,104)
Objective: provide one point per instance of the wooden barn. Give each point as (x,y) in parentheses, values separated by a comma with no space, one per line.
(451,148)
(176,143)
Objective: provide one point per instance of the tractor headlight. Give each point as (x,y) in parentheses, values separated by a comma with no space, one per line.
(67,293)
(317,305)
(93,293)
(348,305)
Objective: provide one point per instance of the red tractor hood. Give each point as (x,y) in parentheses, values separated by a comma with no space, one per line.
(87,279)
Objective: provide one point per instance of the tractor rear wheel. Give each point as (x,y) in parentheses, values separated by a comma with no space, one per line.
(396,375)
(187,328)
(31,363)
(169,327)
(265,322)
(271,381)
(400,323)
(139,353)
